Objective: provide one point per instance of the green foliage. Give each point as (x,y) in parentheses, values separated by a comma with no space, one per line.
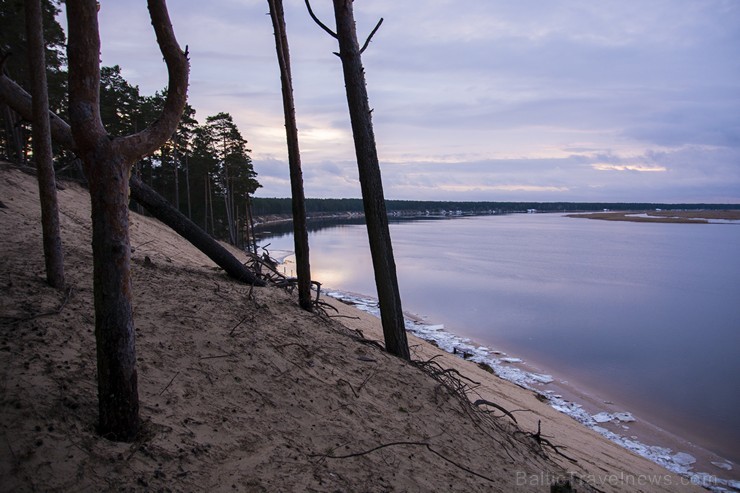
(13,45)
(122,109)
(204,170)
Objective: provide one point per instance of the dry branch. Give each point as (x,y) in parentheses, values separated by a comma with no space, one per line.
(482,402)
(414,444)
(317,21)
(57,311)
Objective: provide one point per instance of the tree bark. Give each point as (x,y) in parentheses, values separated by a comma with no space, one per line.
(20,101)
(381,248)
(42,152)
(300,230)
(187,186)
(14,148)
(107,163)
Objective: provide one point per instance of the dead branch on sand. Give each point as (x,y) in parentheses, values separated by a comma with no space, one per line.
(57,311)
(413,444)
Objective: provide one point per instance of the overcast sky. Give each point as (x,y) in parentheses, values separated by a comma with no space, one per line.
(547,100)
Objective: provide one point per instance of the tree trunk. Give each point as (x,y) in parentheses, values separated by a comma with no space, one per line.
(107,163)
(300,231)
(13,146)
(177,174)
(187,186)
(42,151)
(381,248)
(210,204)
(118,401)
(250,213)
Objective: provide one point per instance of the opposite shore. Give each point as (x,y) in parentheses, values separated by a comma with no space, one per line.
(654,216)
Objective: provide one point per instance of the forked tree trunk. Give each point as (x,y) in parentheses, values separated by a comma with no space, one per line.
(107,163)
(300,231)
(42,152)
(376,217)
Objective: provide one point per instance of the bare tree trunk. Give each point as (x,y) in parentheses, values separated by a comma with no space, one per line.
(210,204)
(177,174)
(107,163)
(42,151)
(381,248)
(187,186)
(205,204)
(300,231)
(229,205)
(239,234)
(247,226)
(250,212)
(14,147)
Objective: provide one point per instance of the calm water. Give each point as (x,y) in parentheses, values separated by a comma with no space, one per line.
(647,313)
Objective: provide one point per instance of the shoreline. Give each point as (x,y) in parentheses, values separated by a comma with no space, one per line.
(584,405)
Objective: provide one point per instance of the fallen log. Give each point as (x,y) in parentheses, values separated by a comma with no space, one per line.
(158,207)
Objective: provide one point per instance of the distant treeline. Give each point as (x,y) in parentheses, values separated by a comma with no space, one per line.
(282,206)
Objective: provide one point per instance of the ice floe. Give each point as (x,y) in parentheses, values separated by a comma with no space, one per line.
(723,465)
(604,417)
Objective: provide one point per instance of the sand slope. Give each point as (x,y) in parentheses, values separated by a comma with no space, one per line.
(242,391)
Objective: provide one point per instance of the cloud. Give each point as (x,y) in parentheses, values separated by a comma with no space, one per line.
(629,167)
(558,100)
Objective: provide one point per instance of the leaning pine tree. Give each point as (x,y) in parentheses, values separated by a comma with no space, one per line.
(107,162)
(298,200)
(42,152)
(371,183)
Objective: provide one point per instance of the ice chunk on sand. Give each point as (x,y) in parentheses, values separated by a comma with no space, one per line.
(624,417)
(541,378)
(684,459)
(723,465)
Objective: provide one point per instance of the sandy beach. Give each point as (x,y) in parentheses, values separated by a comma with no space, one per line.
(240,390)
(658,216)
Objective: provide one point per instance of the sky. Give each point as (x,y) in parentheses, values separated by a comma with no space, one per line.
(557,100)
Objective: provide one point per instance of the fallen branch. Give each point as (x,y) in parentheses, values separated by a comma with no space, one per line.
(168,385)
(57,311)
(231,332)
(414,444)
(542,440)
(217,356)
(341,380)
(481,402)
